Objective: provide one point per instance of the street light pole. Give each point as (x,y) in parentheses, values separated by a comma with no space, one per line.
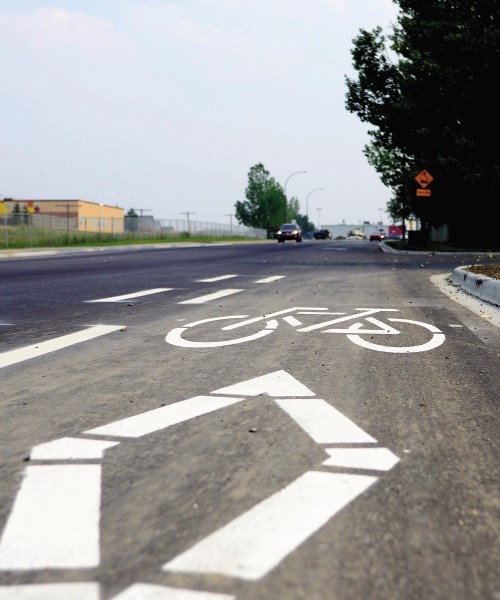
(307,202)
(286,201)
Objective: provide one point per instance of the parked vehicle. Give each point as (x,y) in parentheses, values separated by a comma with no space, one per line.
(322,234)
(377,237)
(289,231)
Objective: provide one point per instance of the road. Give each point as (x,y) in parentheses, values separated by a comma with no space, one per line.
(339,445)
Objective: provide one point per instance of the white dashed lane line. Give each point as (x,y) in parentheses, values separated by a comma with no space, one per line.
(210,297)
(219,278)
(132,295)
(270,279)
(15,356)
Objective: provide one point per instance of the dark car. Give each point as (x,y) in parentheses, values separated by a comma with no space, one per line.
(289,231)
(322,234)
(377,237)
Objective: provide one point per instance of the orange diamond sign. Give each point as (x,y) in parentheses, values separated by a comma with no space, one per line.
(424,178)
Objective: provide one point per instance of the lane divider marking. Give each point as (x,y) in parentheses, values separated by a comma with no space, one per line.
(12,357)
(132,295)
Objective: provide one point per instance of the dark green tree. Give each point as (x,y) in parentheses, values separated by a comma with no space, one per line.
(306,226)
(265,201)
(430,98)
(293,210)
(16,214)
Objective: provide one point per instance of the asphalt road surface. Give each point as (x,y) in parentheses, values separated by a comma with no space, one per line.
(246,422)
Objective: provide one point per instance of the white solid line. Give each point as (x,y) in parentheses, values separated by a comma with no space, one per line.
(160,418)
(209,297)
(220,278)
(257,541)
(270,279)
(376,459)
(67,448)
(144,591)
(324,423)
(55,519)
(14,356)
(51,591)
(133,295)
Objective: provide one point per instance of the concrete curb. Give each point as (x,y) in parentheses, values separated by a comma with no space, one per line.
(480,286)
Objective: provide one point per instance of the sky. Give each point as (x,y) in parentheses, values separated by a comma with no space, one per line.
(164,106)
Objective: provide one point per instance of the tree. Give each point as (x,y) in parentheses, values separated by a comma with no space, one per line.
(265,200)
(306,225)
(432,105)
(293,209)
(16,213)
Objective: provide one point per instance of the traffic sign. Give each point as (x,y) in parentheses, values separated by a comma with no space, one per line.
(424,178)
(423,192)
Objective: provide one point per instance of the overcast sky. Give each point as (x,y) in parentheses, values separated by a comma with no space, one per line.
(165,105)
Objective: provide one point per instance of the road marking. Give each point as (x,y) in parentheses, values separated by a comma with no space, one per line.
(436,340)
(133,295)
(257,541)
(15,356)
(142,591)
(55,519)
(325,424)
(278,383)
(270,279)
(51,591)
(220,278)
(376,459)
(210,297)
(71,449)
(160,418)
(175,338)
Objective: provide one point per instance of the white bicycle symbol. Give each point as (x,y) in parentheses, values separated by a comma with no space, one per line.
(354,332)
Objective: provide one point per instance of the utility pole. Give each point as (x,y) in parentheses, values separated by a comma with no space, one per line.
(187,216)
(67,205)
(230,222)
(142,211)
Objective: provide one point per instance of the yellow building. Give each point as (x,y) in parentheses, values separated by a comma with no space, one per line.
(78,215)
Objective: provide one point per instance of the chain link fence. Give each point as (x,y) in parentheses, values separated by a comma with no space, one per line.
(26,230)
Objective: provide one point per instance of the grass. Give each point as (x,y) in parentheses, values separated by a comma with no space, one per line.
(24,236)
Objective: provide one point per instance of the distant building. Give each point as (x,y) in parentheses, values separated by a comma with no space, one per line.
(78,215)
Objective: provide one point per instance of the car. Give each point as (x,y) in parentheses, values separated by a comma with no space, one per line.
(289,231)
(377,237)
(322,234)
